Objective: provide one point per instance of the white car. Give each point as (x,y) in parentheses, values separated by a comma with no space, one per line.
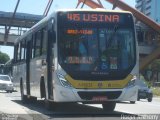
(6,83)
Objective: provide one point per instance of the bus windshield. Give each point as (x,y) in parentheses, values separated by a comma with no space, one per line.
(94,52)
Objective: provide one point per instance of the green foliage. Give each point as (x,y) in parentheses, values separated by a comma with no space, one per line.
(148,83)
(156,91)
(3,58)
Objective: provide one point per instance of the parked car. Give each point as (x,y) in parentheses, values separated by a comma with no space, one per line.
(144,92)
(6,83)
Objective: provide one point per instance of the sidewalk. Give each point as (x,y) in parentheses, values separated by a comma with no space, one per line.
(10,110)
(156,98)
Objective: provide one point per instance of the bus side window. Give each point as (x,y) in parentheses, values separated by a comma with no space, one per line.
(31,49)
(23,46)
(15,53)
(33,46)
(44,41)
(38,44)
(19,52)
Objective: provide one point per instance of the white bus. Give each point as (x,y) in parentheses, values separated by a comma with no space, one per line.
(87,56)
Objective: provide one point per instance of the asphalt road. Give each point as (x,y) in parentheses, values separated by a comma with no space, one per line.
(11,107)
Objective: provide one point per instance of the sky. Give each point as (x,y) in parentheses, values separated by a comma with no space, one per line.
(38,7)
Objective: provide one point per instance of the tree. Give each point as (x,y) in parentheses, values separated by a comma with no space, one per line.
(4,58)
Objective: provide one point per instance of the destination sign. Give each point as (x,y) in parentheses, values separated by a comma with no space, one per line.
(93,17)
(74,32)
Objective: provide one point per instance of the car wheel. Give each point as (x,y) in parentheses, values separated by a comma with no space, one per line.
(7,91)
(149,99)
(132,102)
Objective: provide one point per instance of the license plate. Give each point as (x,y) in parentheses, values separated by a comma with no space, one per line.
(100,98)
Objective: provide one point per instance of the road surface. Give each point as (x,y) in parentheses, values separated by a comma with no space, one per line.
(11,107)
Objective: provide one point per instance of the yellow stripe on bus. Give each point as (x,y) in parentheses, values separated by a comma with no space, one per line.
(110,84)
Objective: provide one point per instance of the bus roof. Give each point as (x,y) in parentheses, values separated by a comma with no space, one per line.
(45,19)
(94,10)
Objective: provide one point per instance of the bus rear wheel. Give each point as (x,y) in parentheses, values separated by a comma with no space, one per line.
(22,90)
(109,106)
(24,98)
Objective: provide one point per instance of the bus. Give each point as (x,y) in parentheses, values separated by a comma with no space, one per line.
(87,56)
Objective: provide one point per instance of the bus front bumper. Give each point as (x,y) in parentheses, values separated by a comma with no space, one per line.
(62,94)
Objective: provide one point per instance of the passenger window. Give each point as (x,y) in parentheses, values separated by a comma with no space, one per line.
(32,42)
(38,44)
(19,52)
(15,53)
(44,41)
(23,48)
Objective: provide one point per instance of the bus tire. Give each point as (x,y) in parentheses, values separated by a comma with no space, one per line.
(48,104)
(51,105)
(42,88)
(21,89)
(109,106)
(23,97)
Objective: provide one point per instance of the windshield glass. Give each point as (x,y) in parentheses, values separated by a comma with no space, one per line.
(96,51)
(142,82)
(4,78)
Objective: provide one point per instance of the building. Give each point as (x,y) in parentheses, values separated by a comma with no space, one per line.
(150,8)
(144,33)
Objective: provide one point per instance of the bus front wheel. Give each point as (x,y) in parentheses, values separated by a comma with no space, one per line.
(109,106)
(51,105)
(48,104)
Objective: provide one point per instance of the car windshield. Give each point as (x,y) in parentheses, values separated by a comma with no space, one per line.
(4,78)
(142,82)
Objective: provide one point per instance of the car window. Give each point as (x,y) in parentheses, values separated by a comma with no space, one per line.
(4,78)
(142,82)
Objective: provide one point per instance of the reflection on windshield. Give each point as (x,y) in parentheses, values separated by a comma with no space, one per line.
(97,49)
(4,78)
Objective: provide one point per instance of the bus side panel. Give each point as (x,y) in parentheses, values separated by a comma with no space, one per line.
(19,72)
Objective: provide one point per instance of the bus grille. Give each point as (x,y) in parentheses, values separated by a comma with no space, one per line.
(90,95)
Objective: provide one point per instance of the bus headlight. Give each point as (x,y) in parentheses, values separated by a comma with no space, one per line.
(132,82)
(63,81)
